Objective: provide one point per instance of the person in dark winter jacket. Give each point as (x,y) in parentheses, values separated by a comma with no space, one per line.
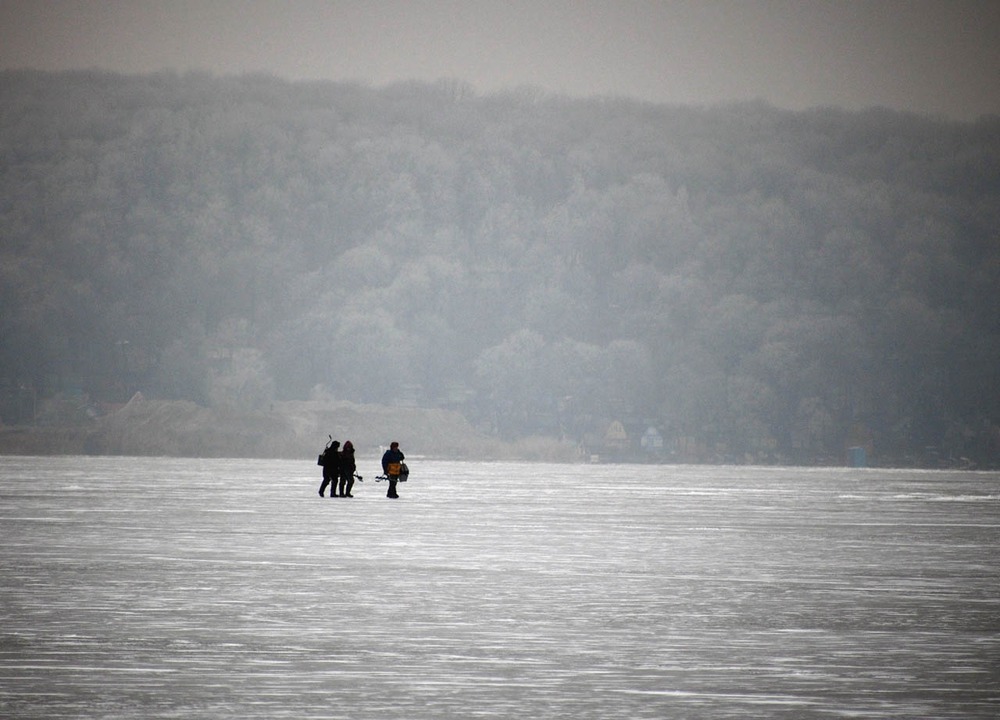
(392,465)
(347,468)
(331,468)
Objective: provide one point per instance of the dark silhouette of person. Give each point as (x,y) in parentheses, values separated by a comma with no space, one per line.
(331,468)
(392,466)
(347,468)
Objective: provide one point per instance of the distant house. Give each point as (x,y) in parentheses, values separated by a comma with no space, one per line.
(651,441)
(615,437)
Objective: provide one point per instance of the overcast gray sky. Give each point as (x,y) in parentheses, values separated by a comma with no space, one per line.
(940,57)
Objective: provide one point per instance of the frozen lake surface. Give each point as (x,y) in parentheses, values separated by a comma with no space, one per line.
(171,588)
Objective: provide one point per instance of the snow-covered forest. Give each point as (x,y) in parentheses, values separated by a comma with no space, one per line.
(751,282)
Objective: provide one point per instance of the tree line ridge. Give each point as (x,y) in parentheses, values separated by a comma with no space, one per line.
(754,284)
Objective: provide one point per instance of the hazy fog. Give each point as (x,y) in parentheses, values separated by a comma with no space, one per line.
(751,283)
(915,55)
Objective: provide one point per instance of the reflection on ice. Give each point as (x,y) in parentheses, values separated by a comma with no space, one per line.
(152,588)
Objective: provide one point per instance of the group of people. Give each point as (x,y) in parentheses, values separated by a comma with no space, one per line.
(340,470)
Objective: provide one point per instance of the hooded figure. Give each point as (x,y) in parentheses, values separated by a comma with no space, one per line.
(392,466)
(331,468)
(347,468)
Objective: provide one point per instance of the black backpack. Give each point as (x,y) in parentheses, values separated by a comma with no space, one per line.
(321,461)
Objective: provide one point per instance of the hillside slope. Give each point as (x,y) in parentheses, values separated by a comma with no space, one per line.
(286,430)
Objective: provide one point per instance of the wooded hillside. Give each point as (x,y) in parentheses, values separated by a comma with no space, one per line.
(755,284)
